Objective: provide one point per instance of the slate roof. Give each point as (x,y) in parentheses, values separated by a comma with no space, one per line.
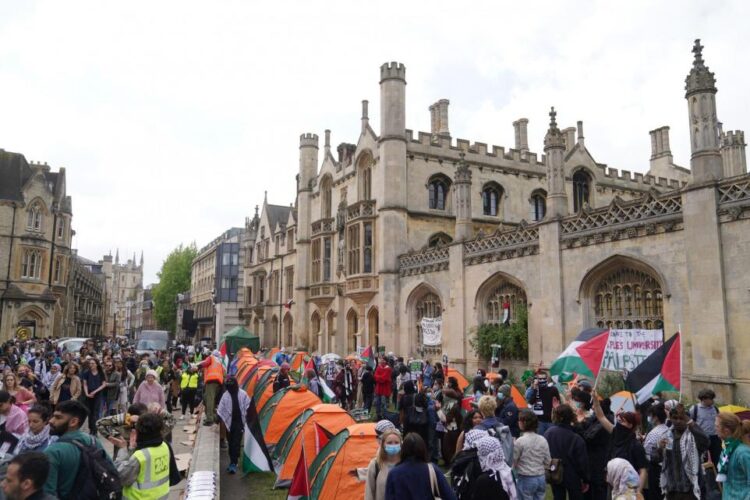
(277,214)
(14,172)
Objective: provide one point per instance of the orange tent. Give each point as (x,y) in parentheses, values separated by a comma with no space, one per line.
(333,473)
(298,360)
(332,418)
(518,398)
(254,378)
(264,390)
(463,382)
(270,354)
(281,410)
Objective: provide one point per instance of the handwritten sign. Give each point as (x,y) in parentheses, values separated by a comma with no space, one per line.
(432,331)
(627,349)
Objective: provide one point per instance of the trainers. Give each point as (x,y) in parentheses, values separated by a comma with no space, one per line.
(232,469)
(182,417)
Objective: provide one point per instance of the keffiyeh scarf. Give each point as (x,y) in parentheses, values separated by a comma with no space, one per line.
(691,463)
(471,438)
(730,444)
(492,461)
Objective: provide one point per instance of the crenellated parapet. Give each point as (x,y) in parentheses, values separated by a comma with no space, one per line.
(392,71)
(308,140)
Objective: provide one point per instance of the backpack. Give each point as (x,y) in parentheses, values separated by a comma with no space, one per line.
(465,469)
(416,416)
(97,477)
(503,434)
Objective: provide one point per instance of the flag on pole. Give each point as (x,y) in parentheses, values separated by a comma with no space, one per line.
(368,356)
(300,487)
(466,403)
(322,436)
(582,357)
(255,456)
(224,356)
(661,371)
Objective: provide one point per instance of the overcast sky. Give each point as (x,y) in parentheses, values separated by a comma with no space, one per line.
(172,118)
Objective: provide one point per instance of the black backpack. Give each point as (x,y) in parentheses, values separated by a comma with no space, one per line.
(97,477)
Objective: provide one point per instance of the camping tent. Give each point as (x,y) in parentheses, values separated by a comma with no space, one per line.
(282,408)
(333,473)
(238,337)
(330,418)
(298,359)
(259,372)
(264,388)
(463,382)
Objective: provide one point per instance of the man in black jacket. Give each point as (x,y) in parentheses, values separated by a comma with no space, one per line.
(507,411)
(567,446)
(368,387)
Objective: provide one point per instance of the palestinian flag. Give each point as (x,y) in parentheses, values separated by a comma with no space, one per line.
(467,403)
(328,395)
(300,487)
(582,357)
(255,456)
(224,355)
(322,436)
(506,313)
(368,356)
(661,371)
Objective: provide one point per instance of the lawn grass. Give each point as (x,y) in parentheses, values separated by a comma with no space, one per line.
(261,486)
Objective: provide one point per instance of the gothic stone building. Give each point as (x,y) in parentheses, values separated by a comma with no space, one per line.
(403,225)
(35,235)
(124,294)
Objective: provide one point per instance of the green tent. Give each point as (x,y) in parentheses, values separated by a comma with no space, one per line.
(238,337)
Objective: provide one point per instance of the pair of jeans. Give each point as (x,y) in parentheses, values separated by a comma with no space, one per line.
(531,487)
(94,406)
(367,402)
(381,405)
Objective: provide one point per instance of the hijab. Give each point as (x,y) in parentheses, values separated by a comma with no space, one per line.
(621,476)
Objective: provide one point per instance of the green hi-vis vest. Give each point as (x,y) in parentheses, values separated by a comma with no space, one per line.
(152,482)
(189,380)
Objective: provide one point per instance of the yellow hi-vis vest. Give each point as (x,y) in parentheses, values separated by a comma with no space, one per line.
(152,482)
(189,380)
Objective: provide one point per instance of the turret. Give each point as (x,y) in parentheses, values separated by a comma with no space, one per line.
(700,92)
(554,149)
(392,191)
(308,160)
(733,153)
(462,189)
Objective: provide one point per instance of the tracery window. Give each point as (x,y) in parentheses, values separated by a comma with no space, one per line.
(628,298)
(429,306)
(438,193)
(325,197)
(34,217)
(491,199)
(31,265)
(439,239)
(538,206)
(581,189)
(504,295)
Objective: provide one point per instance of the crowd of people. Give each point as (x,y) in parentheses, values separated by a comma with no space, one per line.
(568,439)
(57,407)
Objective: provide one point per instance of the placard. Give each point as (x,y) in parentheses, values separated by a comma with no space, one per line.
(432,331)
(627,349)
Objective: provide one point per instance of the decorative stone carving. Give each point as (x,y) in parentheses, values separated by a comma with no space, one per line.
(425,261)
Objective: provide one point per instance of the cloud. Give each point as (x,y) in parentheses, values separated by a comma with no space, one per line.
(172,118)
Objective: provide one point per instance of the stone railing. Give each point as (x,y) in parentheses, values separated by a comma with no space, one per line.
(364,208)
(734,199)
(517,242)
(323,226)
(647,215)
(425,261)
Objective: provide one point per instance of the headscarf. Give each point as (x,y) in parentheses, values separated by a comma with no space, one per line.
(621,476)
(383,426)
(471,438)
(492,461)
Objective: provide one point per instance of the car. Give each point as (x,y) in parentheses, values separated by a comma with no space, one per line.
(73,344)
(151,341)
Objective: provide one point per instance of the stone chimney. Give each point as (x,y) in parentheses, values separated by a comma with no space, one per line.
(439,118)
(520,127)
(569,135)
(660,143)
(733,153)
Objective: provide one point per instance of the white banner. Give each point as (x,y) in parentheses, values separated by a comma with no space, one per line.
(627,349)
(432,331)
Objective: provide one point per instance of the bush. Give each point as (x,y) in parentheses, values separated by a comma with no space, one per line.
(513,338)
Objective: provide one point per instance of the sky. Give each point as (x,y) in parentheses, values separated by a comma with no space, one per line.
(172,118)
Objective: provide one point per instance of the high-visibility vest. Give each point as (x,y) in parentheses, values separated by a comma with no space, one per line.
(152,482)
(214,372)
(189,380)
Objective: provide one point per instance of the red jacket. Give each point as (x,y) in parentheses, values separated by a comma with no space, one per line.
(383,380)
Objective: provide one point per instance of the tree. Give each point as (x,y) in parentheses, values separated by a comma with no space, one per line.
(513,338)
(174,278)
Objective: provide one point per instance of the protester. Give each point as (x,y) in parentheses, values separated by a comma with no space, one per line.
(507,411)
(681,450)
(496,479)
(127,381)
(213,378)
(150,391)
(232,411)
(657,417)
(188,389)
(25,477)
(704,414)
(367,383)
(623,479)
(542,397)
(64,456)
(453,423)
(51,376)
(282,380)
(112,379)
(67,386)
(14,418)
(23,398)
(93,385)
(414,478)
(143,474)
(382,388)
(567,446)
(38,437)
(345,386)
(388,455)
(465,466)
(733,466)
(473,420)
(531,458)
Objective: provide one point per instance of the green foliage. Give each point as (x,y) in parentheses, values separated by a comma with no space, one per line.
(513,338)
(610,382)
(174,278)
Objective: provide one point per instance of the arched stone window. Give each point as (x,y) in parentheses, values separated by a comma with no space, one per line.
(288,330)
(439,239)
(628,298)
(428,306)
(352,327)
(34,217)
(491,195)
(364,173)
(331,330)
(581,189)
(31,265)
(326,186)
(373,327)
(274,334)
(315,331)
(437,188)
(503,295)
(537,205)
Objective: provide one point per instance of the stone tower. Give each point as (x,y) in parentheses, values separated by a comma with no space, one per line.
(554,149)
(389,188)
(733,153)
(700,92)
(308,171)
(462,183)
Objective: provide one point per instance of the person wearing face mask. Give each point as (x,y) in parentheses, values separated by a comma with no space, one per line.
(657,418)
(232,411)
(388,455)
(597,440)
(507,411)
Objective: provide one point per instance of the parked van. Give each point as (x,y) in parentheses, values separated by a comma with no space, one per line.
(150,341)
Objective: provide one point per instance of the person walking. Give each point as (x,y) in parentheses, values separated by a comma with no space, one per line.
(734,461)
(681,450)
(657,418)
(496,479)
(25,477)
(367,384)
(568,447)
(150,391)
(704,414)
(531,458)
(93,387)
(67,386)
(213,378)
(382,388)
(188,389)
(388,455)
(232,410)
(112,379)
(415,478)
